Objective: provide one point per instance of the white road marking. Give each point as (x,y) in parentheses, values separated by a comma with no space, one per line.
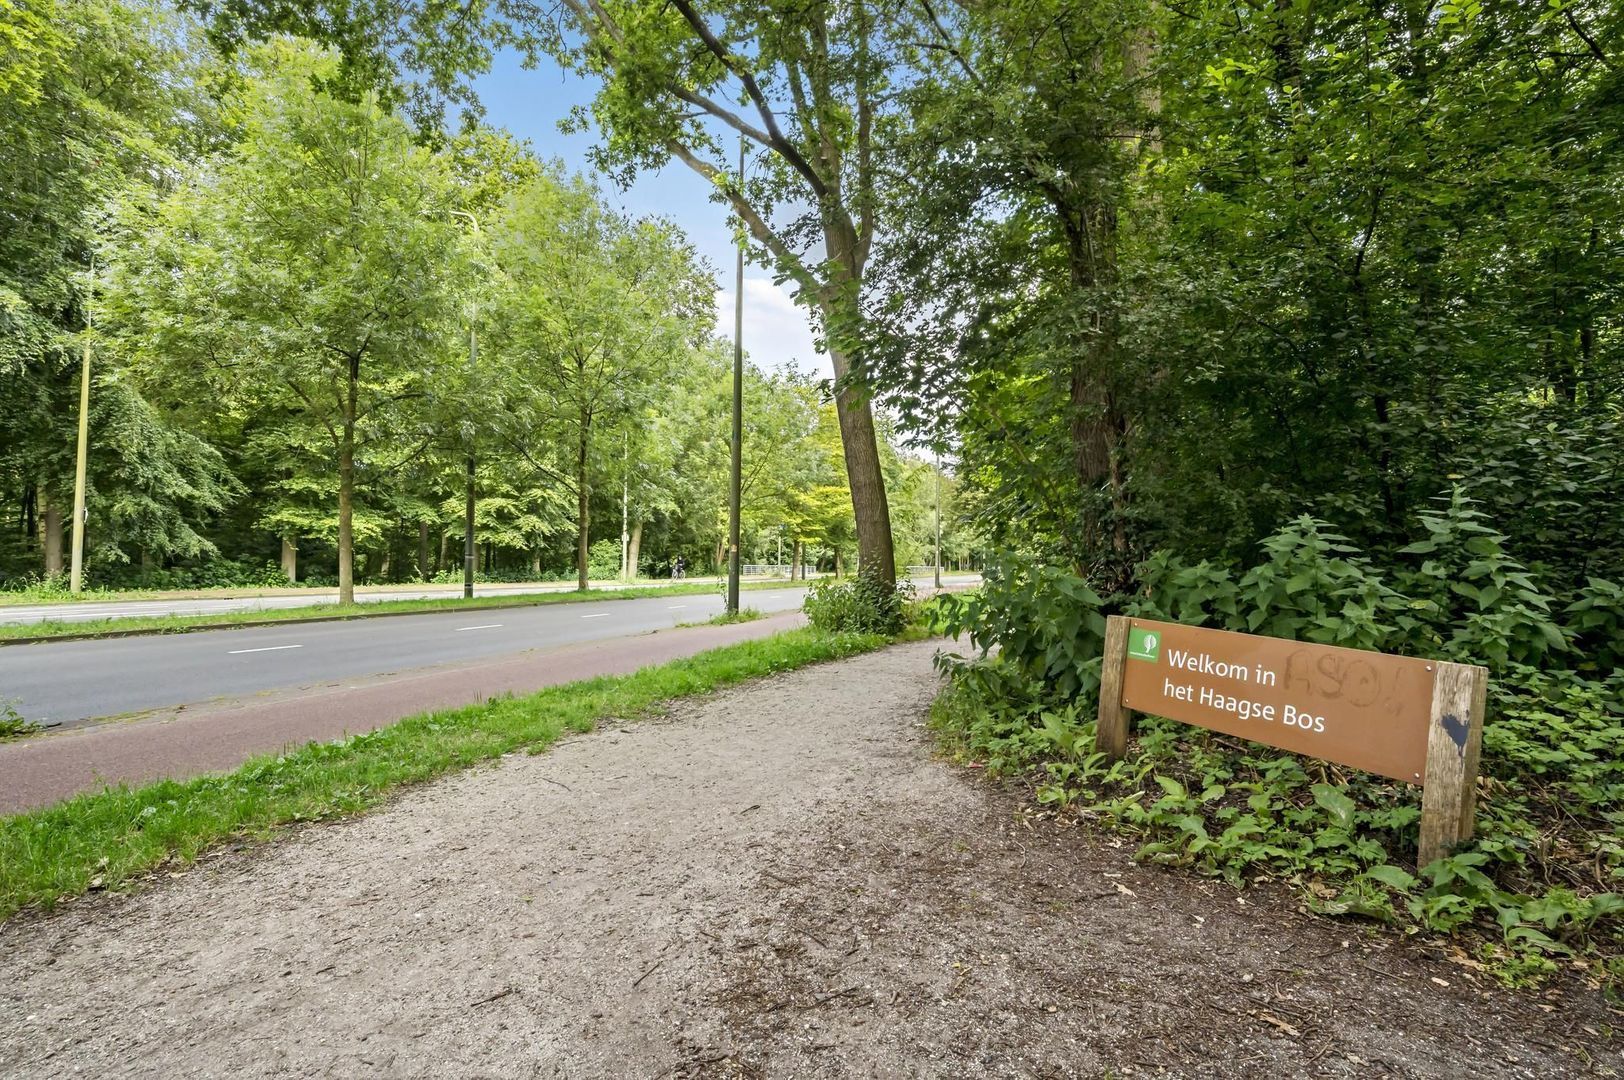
(485,626)
(676,607)
(599,615)
(268,648)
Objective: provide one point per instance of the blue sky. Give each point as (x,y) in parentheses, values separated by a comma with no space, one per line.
(531,103)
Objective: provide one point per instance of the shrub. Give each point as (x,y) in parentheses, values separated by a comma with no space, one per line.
(862,605)
(1542,878)
(603,560)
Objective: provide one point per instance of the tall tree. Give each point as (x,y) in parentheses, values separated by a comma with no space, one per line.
(813,80)
(313,269)
(597,311)
(93,95)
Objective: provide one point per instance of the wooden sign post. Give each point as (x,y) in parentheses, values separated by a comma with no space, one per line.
(1417,721)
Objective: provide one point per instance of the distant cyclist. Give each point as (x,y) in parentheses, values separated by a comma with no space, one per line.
(677,568)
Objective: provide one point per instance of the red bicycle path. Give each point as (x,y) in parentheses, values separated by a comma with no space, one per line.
(218,736)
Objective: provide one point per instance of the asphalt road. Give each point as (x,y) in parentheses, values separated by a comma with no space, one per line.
(67,683)
(90,610)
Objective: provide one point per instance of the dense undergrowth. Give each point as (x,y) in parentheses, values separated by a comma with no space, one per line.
(1538,886)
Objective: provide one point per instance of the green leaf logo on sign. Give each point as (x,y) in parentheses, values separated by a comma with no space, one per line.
(1143,644)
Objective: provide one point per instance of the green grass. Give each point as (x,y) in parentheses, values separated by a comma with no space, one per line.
(177,624)
(111,838)
(728,618)
(12,724)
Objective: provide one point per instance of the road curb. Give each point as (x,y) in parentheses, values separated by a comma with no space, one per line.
(610,595)
(41,639)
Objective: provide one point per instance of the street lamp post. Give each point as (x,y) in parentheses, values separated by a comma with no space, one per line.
(76,579)
(938,522)
(468,556)
(626,570)
(736,480)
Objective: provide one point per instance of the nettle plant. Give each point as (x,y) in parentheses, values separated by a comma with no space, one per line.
(1539,883)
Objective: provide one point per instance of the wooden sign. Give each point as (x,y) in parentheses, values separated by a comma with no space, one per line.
(1419,721)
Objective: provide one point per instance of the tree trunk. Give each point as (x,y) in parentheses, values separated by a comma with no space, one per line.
(875,554)
(582,508)
(445,551)
(535,564)
(423,550)
(797,572)
(837,563)
(346,488)
(51,530)
(384,565)
(633,548)
(290,558)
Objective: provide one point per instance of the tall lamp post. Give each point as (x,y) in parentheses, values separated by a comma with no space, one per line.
(736,480)
(81,454)
(468,557)
(938,522)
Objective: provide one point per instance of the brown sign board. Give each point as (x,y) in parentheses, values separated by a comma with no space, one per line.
(1370,710)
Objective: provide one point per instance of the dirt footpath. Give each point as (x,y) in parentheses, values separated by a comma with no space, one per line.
(779,881)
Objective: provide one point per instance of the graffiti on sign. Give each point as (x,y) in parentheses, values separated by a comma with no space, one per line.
(1364,709)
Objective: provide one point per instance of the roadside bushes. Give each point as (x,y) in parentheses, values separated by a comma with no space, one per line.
(861,605)
(1539,884)
(216,573)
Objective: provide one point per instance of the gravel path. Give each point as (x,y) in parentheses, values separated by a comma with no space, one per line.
(777,881)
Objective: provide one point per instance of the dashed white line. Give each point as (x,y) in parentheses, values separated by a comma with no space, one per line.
(267,648)
(599,615)
(484,626)
(676,607)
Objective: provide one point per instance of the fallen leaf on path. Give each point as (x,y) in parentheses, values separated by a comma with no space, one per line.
(1271,1019)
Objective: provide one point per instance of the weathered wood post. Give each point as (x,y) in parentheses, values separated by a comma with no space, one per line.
(1454,739)
(1111,731)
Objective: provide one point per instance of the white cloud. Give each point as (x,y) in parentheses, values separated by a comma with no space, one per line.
(777,331)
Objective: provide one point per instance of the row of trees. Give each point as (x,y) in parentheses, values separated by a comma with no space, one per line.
(314,325)
(1166,273)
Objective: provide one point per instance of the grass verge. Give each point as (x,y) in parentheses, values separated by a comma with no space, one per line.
(728,618)
(180,624)
(111,838)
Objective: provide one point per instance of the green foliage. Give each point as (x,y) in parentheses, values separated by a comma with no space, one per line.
(603,561)
(13,725)
(731,618)
(1543,876)
(861,605)
(1047,624)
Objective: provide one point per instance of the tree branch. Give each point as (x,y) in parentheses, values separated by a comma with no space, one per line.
(778,142)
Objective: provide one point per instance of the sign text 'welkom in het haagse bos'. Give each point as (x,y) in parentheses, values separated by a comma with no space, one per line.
(1364,709)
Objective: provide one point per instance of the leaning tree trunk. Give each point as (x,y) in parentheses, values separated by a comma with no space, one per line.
(582,500)
(842,319)
(875,555)
(346,489)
